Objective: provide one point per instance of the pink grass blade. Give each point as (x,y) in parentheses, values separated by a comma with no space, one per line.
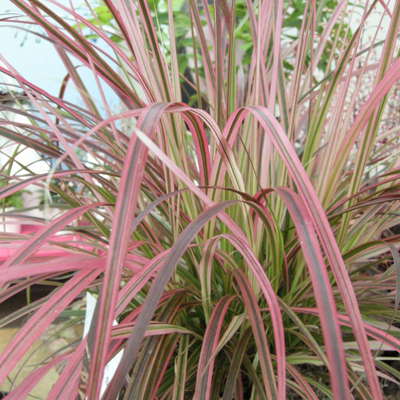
(20,286)
(230,331)
(363,116)
(209,70)
(41,319)
(33,244)
(181,369)
(368,137)
(277,19)
(258,333)
(25,387)
(139,280)
(396,260)
(210,342)
(235,367)
(302,382)
(376,333)
(156,353)
(15,187)
(311,342)
(276,318)
(165,362)
(155,292)
(185,179)
(123,330)
(316,124)
(59,265)
(78,48)
(244,248)
(124,212)
(322,291)
(205,268)
(69,376)
(159,63)
(324,231)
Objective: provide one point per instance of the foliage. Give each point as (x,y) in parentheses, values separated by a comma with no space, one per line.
(13,201)
(245,246)
(291,26)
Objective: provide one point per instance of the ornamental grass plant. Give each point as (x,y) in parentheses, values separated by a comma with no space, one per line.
(237,214)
